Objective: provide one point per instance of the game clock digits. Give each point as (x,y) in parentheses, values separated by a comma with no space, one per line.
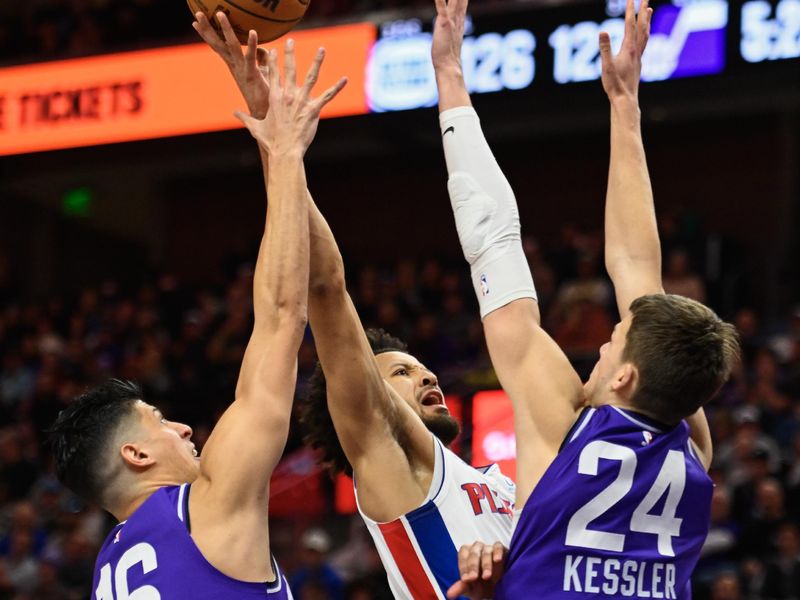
(559,46)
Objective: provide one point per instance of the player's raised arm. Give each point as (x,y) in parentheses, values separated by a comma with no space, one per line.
(248,441)
(353,382)
(543,387)
(382,439)
(633,250)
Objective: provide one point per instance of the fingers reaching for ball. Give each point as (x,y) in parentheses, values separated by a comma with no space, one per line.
(289,66)
(248,68)
(292,120)
(270,20)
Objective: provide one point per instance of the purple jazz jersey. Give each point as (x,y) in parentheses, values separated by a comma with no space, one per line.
(621,512)
(151,556)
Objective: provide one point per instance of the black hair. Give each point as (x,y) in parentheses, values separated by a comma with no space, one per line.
(318,430)
(83,431)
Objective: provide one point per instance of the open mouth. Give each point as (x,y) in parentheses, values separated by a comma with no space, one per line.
(432,398)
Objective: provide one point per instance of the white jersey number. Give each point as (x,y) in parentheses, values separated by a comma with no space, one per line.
(671,479)
(143,554)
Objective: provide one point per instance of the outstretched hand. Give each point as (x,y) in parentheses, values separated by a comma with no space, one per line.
(621,73)
(293,117)
(249,69)
(448,33)
(481,566)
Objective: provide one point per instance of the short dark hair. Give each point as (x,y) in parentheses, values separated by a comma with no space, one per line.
(683,352)
(83,431)
(318,430)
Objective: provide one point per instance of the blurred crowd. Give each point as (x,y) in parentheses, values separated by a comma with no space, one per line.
(184,344)
(51,29)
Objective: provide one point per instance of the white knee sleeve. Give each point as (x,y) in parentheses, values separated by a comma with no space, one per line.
(485,211)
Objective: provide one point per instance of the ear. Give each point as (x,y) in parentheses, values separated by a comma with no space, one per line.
(136,457)
(625,379)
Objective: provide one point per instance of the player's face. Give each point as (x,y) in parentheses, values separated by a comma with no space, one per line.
(413,382)
(169,444)
(418,386)
(599,384)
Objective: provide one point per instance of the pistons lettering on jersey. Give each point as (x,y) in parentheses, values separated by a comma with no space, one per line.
(614,577)
(481,495)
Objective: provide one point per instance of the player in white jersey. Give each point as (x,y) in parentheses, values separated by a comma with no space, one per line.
(379,415)
(418,548)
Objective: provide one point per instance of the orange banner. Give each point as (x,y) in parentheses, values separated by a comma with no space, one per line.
(157,93)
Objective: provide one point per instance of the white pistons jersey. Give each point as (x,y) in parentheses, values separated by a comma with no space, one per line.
(420,549)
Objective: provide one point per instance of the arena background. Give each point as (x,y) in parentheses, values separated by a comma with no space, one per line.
(134,260)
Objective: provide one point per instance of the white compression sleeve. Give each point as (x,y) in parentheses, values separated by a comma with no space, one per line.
(485,211)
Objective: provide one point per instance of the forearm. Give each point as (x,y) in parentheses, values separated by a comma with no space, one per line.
(632,251)
(485,212)
(326,273)
(452,89)
(357,398)
(280,286)
(255,426)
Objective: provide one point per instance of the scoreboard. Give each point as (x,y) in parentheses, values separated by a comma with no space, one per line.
(543,48)
(539,57)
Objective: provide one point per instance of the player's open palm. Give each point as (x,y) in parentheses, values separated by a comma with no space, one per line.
(249,69)
(293,117)
(448,33)
(481,566)
(621,73)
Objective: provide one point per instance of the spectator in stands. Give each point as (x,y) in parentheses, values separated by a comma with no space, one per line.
(748,326)
(679,278)
(793,476)
(719,553)
(182,342)
(726,587)
(767,515)
(782,576)
(316,579)
(17,473)
(24,519)
(49,586)
(19,569)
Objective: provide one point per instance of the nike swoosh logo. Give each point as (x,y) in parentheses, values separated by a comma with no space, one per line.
(449,130)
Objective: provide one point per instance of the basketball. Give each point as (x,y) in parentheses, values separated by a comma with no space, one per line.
(269,18)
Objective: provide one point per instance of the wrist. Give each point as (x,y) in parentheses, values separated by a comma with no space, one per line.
(453,92)
(626,110)
(624,103)
(284,155)
(451,71)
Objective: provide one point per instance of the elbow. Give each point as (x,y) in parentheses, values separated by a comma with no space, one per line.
(290,316)
(280,419)
(620,264)
(293,316)
(329,283)
(615,263)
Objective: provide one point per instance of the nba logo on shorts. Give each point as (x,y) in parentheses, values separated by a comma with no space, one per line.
(648,437)
(484,285)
